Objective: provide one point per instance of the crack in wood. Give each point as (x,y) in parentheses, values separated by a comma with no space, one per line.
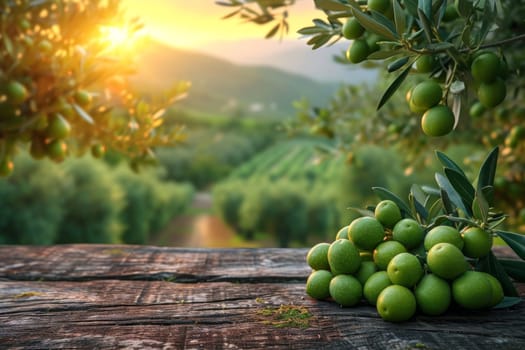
(159,276)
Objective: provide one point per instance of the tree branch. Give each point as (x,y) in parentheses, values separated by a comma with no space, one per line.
(501,42)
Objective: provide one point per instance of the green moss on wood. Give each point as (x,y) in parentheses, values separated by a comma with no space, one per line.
(286,316)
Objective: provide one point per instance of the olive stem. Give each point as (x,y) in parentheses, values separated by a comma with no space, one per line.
(425,51)
(498,43)
(503,42)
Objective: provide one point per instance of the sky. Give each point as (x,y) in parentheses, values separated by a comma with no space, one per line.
(198,25)
(195,23)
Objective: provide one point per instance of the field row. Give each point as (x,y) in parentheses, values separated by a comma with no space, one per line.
(293,160)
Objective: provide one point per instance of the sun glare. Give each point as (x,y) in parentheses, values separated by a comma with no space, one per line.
(119,38)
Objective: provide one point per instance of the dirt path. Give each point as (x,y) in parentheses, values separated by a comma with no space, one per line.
(199,231)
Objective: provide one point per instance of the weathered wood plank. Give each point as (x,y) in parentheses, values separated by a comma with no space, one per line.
(219,315)
(107,297)
(86,262)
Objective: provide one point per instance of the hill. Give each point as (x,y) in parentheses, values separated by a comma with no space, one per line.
(295,56)
(221,86)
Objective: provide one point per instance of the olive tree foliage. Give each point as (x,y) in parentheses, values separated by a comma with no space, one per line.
(32,202)
(84,200)
(396,37)
(262,12)
(399,32)
(93,204)
(63,83)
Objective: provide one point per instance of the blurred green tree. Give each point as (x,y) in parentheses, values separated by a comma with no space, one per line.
(92,204)
(63,83)
(31,205)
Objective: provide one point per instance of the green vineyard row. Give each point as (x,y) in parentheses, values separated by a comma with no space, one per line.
(293,160)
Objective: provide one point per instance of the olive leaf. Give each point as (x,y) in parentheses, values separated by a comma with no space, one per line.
(464,8)
(514,268)
(429,201)
(229,4)
(480,207)
(457,87)
(271,33)
(515,241)
(319,40)
(508,302)
(331,5)
(8,44)
(438,10)
(448,206)
(311,30)
(411,6)
(439,5)
(362,212)
(435,209)
(487,171)
(419,201)
(397,64)
(456,108)
(83,114)
(452,195)
(440,220)
(458,220)
(374,26)
(399,17)
(382,54)
(418,193)
(425,24)
(417,207)
(496,219)
(231,14)
(320,23)
(431,191)
(487,22)
(426,7)
(449,163)
(36,3)
(490,264)
(392,88)
(385,21)
(499,7)
(441,46)
(462,186)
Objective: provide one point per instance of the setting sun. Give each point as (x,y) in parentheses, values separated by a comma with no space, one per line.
(119,37)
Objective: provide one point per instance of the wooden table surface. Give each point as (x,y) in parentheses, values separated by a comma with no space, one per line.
(144,297)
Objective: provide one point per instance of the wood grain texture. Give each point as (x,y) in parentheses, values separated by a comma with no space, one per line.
(87,262)
(129,297)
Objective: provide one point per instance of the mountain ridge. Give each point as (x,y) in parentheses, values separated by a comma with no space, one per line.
(222,86)
(295,56)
